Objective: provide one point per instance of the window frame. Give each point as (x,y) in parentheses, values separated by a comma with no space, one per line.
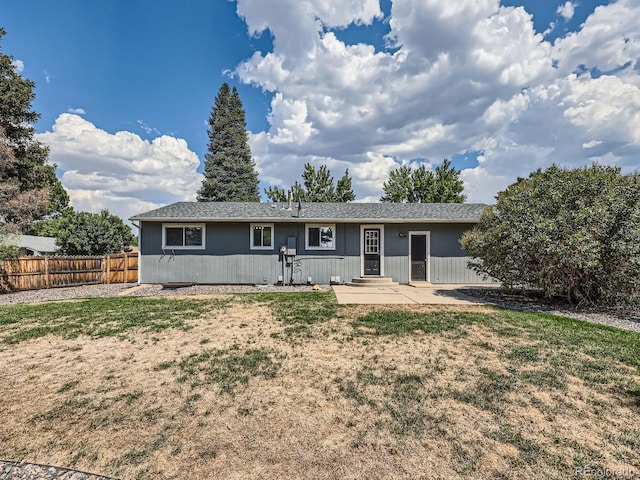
(262,225)
(183,226)
(319,225)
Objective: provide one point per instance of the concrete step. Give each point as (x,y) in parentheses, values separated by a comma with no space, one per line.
(372,282)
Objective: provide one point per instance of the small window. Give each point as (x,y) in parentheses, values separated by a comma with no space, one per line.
(183,236)
(261,236)
(321,237)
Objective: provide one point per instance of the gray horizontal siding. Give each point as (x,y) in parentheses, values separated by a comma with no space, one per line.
(397,268)
(441,270)
(207,268)
(261,269)
(228,258)
(453,270)
(243,268)
(235,238)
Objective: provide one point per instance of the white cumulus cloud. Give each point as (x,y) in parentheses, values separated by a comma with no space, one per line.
(120,171)
(19,65)
(567,10)
(469,75)
(609,39)
(76,111)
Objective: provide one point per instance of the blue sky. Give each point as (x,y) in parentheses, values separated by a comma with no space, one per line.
(503,88)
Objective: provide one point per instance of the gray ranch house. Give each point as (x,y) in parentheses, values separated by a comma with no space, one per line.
(271,243)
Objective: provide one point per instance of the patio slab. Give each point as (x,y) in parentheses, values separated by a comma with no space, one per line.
(406,295)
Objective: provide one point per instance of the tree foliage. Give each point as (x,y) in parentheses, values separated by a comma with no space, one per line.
(84,233)
(344,190)
(29,169)
(318,186)
(574,233)
(18,208)
(8,252)
(420,185)
(229,171)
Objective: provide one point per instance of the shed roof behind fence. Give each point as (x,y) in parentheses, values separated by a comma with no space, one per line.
(31,242)
(344,212)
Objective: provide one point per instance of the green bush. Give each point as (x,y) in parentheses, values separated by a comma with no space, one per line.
(8,252)
(574,233)
(84,233)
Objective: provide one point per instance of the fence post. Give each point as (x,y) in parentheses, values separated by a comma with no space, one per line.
(47,279)
(107,260)
(125,278)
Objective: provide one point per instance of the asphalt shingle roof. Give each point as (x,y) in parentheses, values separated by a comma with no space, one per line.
(346,212)
(31,242)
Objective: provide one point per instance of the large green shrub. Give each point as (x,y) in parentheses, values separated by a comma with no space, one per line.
(568,232)
(84,233)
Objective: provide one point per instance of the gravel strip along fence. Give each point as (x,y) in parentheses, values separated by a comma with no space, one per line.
(11,470)
(63,293)
(132,290)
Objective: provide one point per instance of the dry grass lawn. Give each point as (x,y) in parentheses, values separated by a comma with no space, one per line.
(295,386)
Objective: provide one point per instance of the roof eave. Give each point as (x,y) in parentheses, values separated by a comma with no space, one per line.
(302,220)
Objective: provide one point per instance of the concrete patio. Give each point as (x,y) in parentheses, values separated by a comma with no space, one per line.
(425,294)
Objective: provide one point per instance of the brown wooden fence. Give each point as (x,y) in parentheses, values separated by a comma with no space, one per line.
(34,273)
(121,268)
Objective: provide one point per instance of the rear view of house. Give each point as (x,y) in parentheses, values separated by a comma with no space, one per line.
(269,243)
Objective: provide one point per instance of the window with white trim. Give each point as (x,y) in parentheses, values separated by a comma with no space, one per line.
(183,236)
(261,236)
(320,237)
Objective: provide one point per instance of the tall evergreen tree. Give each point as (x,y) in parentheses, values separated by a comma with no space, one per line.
(229,170)
(29,169)
(424,186)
